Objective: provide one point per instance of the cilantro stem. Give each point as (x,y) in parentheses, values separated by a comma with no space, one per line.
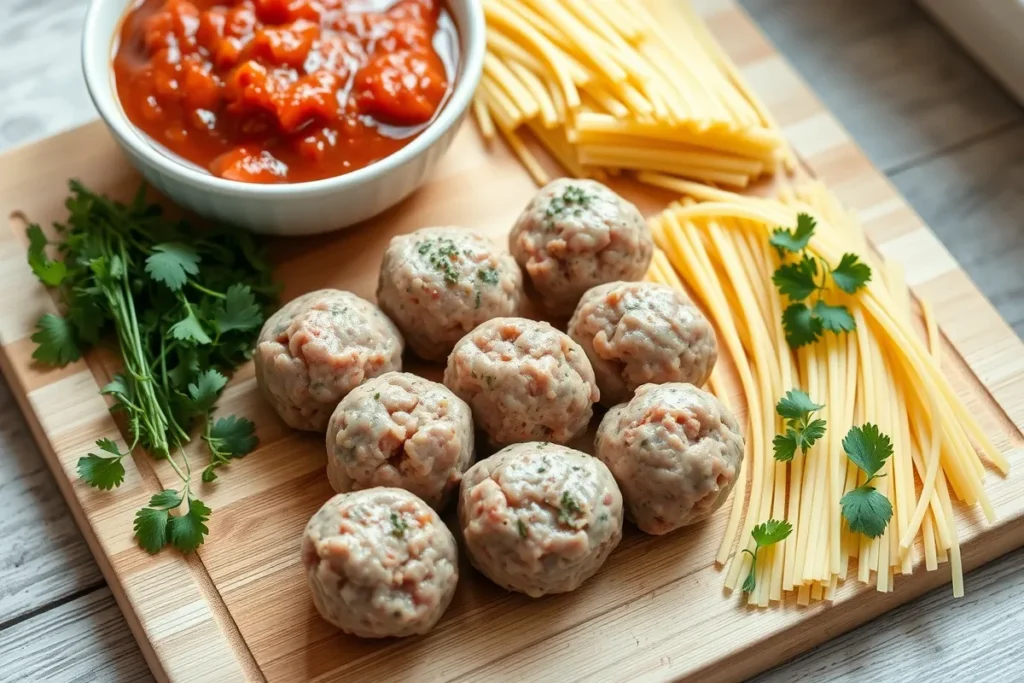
(204,290)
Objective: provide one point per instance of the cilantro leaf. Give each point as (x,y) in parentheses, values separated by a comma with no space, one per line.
(229,438)
(796,404)
(797,280)
(795,240)
(171,263)
(116,387)
(189,329)
(168,499)
(866,511)
(188,531)
(151,529)
(186,369)
(851,274)
(50,273)
(834,318)
(239,311)
(56,341)
(771,532)
(205,390)
(784,446)
(764,534)
(814,430)
(801,432)
(234,436)
(800,325)
(87,318)
(109,446)
(100,472)
(868,448)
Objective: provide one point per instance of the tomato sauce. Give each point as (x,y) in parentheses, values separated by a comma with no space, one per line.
(284,91)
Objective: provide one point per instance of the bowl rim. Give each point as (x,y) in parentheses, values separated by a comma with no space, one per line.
(471,30)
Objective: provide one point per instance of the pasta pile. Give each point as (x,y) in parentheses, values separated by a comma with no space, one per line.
(606,87)
(715,244)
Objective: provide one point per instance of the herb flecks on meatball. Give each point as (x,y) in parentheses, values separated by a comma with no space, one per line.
(676,453)
(437,284)
(637,333)
(576,234)
(317,348)
(539,518)
(404,431)
(379,563)
(524,380)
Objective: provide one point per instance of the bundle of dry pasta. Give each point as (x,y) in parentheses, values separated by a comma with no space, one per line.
(604,86)
(716,242)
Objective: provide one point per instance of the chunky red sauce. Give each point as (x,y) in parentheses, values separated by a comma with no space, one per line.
(277,91)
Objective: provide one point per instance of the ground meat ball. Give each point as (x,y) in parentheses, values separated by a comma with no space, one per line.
(640,332)
(539,518)
(404,431)
(437,284)
(675,450)
(319,347)
(576,234)
(380,563)
(525,381)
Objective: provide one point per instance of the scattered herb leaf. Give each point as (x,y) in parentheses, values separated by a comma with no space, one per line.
(55,339)
(50,272)
(764,535)
(796,408)
(796,240)
(805,323)
(172,263)
(864,508)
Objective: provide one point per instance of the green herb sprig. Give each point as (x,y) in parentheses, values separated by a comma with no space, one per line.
(864,508)
(796,408)
(807,278)
(764,535)
(185,307)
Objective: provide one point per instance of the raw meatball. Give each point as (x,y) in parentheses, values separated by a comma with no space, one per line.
(640,332)
(576,234)
(404,431)
(525,380)
(380,563)
(319,347)
(675,450)
(539,518)
(437,284)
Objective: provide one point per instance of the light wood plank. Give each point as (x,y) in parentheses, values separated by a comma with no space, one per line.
(64,106)
(42,557)
(973,199)
(902,87)
(82,641)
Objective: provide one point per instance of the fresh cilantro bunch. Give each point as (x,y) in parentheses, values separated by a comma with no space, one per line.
(807,278)
(796,408)
(764,535)
(865,509)
(185,307)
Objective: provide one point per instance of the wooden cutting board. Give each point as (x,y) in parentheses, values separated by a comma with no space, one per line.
(238,609)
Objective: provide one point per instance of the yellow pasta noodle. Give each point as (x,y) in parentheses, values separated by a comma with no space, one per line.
(716,242)
(623,93)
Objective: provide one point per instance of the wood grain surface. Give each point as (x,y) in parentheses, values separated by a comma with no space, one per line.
(986,174)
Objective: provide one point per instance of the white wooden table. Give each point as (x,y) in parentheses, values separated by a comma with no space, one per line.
(949,138)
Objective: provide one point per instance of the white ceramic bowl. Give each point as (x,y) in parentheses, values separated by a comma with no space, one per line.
(295,209)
